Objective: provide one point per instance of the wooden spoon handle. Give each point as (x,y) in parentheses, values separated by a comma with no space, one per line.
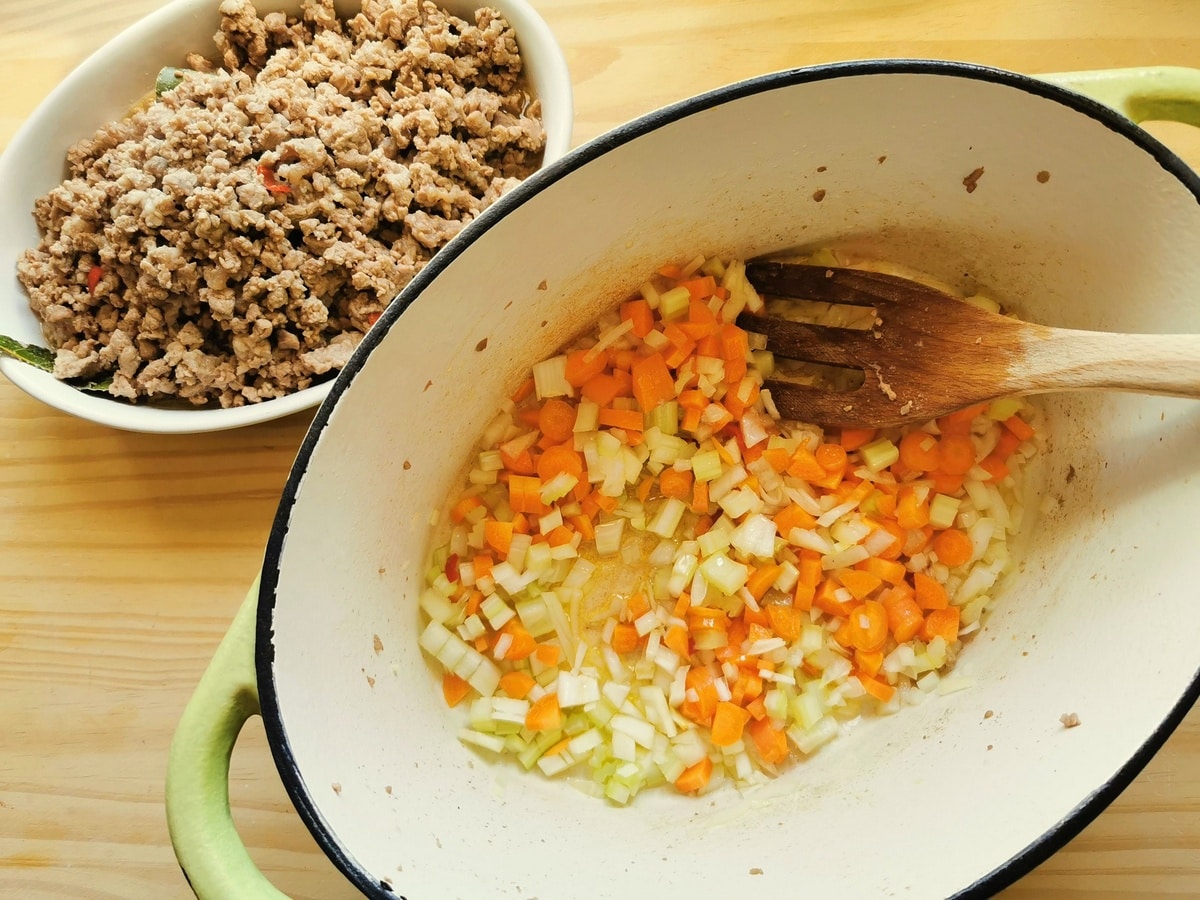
(1065,360)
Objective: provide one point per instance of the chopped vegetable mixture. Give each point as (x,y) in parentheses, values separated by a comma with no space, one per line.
(652,580)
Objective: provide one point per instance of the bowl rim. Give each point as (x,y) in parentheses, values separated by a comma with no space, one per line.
(1003,875)
(531,29)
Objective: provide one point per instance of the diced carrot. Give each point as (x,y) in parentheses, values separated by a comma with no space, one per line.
(958,454)
(625,419)
(583,365)
(520,524)
(583,525)
(826,599)
(636,606)
(524,390)
(562,458)
(946,483)
(911,513)
(880,690)
(640,314)
(701,288)
(831,457)
(853,438)
(1021,429)
(953,547)
(700,497)
(602,501)
(483,563)
(844,634)
(528,415)
(886,569)
(601,389)
(858,582)
(941,623)
(521,644)
(930,593)
(793,516)
(497,535)
(868,627)
(691,419)
(560,536)
(893,550)
(904,616)
(676,638)
(920,451)
(556,420)
(544,714)
(1006,445)
(811,572)
(674,483)
(995,467)
(682,604)
(671,270)
(474,601)
(886,503)
(802,597)
(517,684)
(699,680)
(771,742)
(521,464)
(645,486)
(785,621)
(624,638)
(727,725)
(524,495)
(960,422)
(652,382)
(464,506)
(778,458)
(734,348)
(547,655)
(757,709)
(804,465)
(695,776)
(454,689)
(870,663)
(762,578)
(480,643)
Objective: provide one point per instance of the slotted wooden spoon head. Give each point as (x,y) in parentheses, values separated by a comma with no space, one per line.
(926,355)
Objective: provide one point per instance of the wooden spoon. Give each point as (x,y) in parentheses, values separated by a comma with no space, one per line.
(930,353)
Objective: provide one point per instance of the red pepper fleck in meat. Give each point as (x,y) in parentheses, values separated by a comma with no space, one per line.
(95,273)
(270,182)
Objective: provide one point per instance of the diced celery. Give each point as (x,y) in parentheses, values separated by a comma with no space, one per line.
(539,745)
(667,519)
(535,617)
(674,303)
(706,465)
(879,454)
(809,706)
(764,361)
(681,574)
(479,739)
(664,417)
(822,732)
(1004,407)
(942,510)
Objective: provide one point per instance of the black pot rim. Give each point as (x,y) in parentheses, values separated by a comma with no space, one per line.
(1005,874)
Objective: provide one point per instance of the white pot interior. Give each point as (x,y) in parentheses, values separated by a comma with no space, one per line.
(1102,620)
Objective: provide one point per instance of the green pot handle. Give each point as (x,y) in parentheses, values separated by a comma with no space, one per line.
(1148,94)
(207,845)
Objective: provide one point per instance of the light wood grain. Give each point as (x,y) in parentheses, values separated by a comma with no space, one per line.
(123,557)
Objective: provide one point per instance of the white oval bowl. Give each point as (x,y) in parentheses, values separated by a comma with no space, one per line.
(101,89)
(940,800)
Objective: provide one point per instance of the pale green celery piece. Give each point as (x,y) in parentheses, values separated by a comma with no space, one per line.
(823,257)
(665,417)
(674,303)
(1004,407)
(576,723)
(706,465)
(764,361)
(600,713)
(880,454)
(617,792)
(543,742)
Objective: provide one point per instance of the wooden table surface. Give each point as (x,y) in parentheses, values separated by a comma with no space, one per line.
(124,556)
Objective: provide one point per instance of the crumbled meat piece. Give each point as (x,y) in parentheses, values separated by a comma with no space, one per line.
(1069,720)
(252,225)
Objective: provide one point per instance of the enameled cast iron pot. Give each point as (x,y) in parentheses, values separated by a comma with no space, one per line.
(1079,219)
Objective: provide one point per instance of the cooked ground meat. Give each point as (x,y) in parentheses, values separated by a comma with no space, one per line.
(234,241)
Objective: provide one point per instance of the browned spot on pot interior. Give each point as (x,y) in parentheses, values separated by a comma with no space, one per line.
(972,180)
(481,346)
(881,159)
(508,304)
(819,195)
(821,168)
(377,642)
(542,285)
(428,385)
(407,465)
(1043,176)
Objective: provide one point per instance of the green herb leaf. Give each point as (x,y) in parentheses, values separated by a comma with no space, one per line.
(43,358)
